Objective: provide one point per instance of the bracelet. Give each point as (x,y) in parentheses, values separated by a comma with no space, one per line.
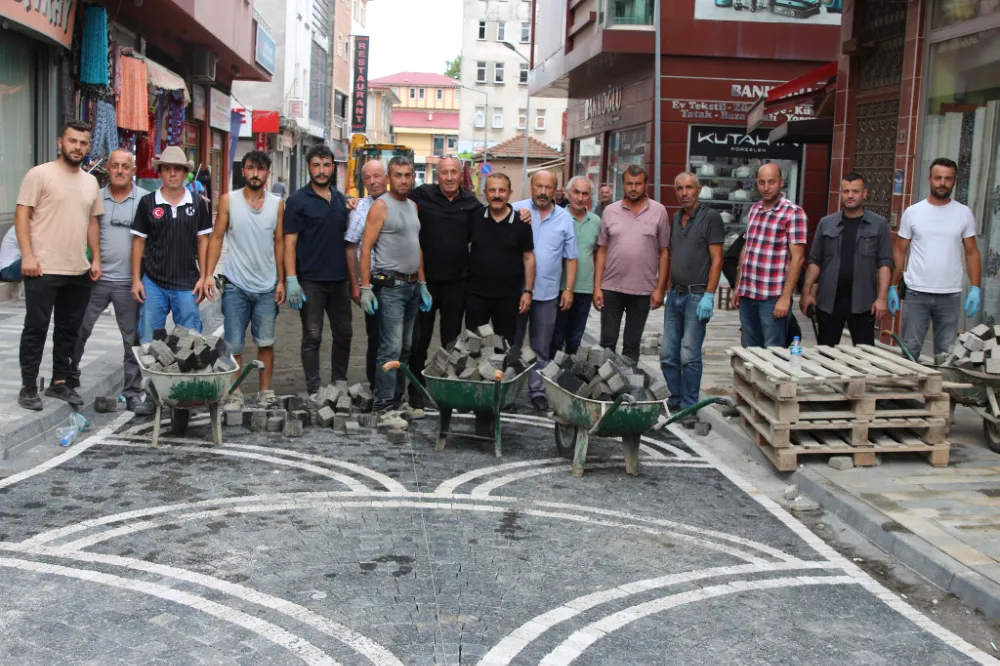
(529,292)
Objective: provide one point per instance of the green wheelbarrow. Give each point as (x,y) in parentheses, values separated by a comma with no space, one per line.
(577,419)
(485,398)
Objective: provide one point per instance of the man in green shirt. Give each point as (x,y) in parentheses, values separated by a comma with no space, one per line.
(570,324)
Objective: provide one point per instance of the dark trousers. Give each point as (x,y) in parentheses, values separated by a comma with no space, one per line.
(334,300)
(636,310)
(448,299)
(371,353)
(500,311)
(68,296)
(831,327)
(570,325)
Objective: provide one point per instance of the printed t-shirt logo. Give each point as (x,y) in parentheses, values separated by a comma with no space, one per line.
(158,212)
(189,210)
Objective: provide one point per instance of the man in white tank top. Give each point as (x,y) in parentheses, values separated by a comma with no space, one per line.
(251,219)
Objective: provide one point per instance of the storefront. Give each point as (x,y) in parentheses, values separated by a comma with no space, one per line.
(587,162)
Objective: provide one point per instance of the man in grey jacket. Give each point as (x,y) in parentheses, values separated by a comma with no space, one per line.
(850,263)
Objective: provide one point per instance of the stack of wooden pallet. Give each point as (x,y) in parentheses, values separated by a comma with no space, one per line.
(845,400)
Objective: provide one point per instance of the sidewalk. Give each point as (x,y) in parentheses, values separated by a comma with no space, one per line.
(943,523)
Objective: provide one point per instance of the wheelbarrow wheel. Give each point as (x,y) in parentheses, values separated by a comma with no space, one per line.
(991,433)
(566,440)
(179,421)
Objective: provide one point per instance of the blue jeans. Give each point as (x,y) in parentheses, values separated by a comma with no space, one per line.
(240,308)
(11,273)
(570,325)
(181,303)
(396,314)
(760,328)
(680,355)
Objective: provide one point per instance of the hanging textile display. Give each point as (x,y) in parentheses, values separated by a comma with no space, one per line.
(133,103)
(161,103)
(94,47)
(175,118)
(105,135)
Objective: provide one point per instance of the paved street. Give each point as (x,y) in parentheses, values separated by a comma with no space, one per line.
(334,550)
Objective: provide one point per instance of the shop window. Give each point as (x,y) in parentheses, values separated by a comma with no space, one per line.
(587,162)
(480,72)
(17,117)
(498,73)
(949,12)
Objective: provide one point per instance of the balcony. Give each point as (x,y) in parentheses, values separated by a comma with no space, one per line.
(630,13)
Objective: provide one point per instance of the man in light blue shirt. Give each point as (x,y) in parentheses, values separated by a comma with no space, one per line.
(555,243)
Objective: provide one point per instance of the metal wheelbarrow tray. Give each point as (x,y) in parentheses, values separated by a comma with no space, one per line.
(183,392)
(481,397)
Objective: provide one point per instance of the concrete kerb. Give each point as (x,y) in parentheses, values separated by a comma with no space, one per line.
(23,434)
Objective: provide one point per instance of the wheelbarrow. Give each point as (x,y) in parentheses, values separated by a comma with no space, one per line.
(481,397)
(184,392)
(577,419)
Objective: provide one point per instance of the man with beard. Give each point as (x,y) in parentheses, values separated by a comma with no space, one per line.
(393,284)
(935,232)
(770,263)
(851,260)
(56,221)
(632,263)
(121,199)
(571,324)
(320,267)
(603,200)
(374,178)
(255,267)
(170,250)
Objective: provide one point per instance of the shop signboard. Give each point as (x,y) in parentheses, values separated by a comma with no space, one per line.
(296,108)
(264,49)
(268,122)
(799,12)
(359,112)
(51,20)
(218,110)
(733,141)
(198,105)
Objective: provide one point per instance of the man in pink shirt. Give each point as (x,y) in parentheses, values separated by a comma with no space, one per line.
(632,263)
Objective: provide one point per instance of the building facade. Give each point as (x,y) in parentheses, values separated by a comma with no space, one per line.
(381,102)
(715,61)
(496,78)
(426,117)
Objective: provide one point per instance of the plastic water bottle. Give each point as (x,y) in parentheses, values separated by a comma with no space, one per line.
(795,355)
(121,399)
(67,435)
(78,422)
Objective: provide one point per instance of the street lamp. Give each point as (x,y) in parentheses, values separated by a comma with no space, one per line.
(486,111)
(527,121)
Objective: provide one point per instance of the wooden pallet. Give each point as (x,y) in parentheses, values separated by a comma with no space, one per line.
(843,442)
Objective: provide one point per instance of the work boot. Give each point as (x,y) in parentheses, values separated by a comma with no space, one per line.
(267,399)
(142,405)
(392,419)
(63,392)
(28,398)
(540,402)
(412,413)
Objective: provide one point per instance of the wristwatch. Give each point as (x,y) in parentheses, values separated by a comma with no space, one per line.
(529,292)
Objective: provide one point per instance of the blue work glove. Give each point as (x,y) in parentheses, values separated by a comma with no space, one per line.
(425,298)
(705,305)
(368,301)
(972,302)
(893,301)
(293,293)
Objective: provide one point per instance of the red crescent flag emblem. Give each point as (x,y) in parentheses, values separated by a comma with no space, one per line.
(158,212)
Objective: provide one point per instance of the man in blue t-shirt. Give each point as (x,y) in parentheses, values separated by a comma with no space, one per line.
(320,267)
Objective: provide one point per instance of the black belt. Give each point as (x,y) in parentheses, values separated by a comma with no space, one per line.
(693,289)
(406,277)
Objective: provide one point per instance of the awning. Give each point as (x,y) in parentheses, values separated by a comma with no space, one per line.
(161,77)
(813,130)
(796,91)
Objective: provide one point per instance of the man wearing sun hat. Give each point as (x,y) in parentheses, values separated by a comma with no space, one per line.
(170,249)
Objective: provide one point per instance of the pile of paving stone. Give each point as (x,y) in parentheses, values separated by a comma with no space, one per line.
(978,349)
(477,355)
(600,374)
(183,351)
(650,345)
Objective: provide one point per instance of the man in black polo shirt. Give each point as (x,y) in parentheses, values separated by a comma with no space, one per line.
(320,267)
(501,263)
(170,250)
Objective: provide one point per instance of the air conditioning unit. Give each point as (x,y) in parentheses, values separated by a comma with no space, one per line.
(203,62)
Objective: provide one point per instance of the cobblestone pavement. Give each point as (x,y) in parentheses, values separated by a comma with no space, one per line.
(328,550)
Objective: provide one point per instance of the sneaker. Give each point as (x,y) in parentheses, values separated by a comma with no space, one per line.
(416,400)
(28,398)
(64,392)
(392,419)
(267,399)
(540,402)
(234,401)
(411,413)
(141,405)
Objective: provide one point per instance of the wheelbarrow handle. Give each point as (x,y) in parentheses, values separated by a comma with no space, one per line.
(902,347)
(247,367)
(624,397)
(396,365)
(695,407)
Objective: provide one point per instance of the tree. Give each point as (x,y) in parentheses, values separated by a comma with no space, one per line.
(453,68)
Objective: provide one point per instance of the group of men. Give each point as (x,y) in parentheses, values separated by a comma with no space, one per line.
(416,258)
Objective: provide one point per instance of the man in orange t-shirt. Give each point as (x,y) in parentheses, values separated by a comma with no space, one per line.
(56,221)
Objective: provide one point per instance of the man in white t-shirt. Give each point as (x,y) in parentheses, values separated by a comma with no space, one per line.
(936,232)
(10,257)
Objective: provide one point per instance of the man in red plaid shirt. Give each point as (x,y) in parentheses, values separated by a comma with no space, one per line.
(770,263)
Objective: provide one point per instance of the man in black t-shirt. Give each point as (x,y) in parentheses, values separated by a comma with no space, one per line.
(501,263)
(170,250)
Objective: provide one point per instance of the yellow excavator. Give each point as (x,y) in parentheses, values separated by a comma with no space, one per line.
(362,152)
